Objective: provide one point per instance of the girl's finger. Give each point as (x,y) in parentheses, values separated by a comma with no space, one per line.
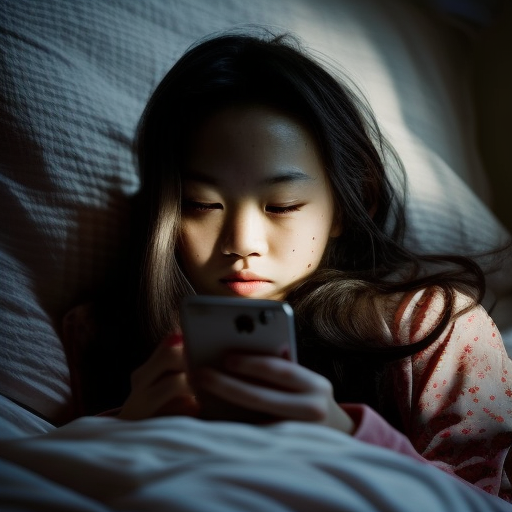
(146,402)
(165,358)
(276,371)
(298,406)
(169,386)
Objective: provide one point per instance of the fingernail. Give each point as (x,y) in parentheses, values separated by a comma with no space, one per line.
(174,340)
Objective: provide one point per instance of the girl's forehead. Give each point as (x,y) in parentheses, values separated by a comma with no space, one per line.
(253,141)
(269,124)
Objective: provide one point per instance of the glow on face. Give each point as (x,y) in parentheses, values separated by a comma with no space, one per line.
(257,207)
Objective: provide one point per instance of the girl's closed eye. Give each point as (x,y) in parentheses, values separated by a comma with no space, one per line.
(200,206)
(281,210)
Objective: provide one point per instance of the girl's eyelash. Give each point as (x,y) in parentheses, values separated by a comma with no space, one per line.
(282,209)
(204,207)
(200,206)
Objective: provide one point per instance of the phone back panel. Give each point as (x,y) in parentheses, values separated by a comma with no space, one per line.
(214,325)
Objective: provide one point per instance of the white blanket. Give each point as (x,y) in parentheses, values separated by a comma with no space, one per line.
(183,464)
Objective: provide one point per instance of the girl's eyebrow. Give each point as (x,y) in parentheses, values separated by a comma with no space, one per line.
(280,177)
(288,176)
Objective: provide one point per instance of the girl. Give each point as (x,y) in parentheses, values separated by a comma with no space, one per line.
(263,176)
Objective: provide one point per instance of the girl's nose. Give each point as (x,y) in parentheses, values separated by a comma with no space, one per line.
(244,233)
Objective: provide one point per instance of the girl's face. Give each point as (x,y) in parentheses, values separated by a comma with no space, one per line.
(258,210)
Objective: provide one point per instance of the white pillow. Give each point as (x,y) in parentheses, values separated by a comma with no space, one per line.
(74,80)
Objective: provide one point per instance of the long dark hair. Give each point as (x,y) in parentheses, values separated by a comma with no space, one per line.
(338,322)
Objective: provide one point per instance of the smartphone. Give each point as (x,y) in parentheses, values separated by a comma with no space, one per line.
(213,326)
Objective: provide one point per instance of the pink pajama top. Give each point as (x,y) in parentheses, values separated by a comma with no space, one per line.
(454,398)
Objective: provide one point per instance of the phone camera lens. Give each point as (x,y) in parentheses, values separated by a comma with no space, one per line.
(266,316)
(244,323)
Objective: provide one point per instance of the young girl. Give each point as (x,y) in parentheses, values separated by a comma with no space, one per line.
(263,176)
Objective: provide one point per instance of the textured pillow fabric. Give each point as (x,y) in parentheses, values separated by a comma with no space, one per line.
(74,79)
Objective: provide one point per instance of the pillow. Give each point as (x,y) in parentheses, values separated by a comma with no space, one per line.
(74,79)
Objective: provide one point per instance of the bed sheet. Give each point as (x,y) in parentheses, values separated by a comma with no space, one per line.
(186,465)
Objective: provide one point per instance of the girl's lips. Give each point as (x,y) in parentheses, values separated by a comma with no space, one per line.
(243,276)
(245,283)
(245,287)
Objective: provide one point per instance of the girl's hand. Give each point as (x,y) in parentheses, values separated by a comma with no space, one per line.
(275,386)
(160,386)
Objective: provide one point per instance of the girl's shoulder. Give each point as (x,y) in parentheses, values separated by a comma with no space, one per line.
(415,315)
